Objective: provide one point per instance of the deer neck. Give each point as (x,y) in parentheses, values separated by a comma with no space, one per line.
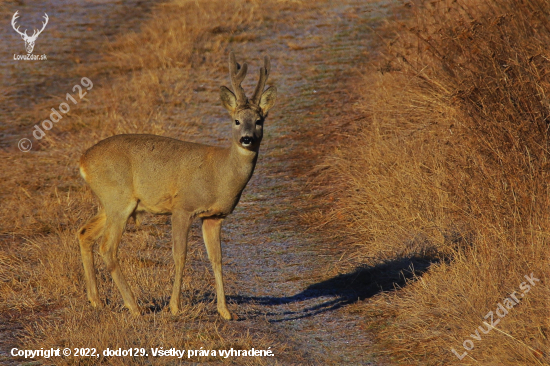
(240,164)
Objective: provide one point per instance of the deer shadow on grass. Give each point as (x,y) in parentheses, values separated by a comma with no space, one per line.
(344,289)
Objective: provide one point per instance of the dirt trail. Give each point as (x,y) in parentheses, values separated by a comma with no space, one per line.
(285,272)
(281,275)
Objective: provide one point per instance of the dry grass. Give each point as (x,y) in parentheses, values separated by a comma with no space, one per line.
(448,162)
(142,86)
(451,163)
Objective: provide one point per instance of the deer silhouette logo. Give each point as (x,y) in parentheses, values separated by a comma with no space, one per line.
(29,41)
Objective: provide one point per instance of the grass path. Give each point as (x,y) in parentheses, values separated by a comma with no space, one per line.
(283,270)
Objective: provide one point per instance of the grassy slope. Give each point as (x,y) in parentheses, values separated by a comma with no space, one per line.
(451,164)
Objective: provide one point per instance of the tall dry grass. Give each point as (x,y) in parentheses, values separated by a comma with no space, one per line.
(451,163)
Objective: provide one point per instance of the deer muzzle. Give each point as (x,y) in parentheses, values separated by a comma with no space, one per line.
(246,141)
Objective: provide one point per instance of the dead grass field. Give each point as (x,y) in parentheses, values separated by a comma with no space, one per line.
(450,163)
(428,195)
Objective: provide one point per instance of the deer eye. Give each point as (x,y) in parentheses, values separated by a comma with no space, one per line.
(237,122)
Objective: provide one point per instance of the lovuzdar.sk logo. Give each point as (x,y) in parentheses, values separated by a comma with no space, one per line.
(29,40)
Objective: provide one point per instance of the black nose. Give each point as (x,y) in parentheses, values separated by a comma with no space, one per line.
(246,140)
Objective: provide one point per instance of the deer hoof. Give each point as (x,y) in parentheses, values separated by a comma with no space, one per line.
(134,310)
(96,303)
(174,308)
(227,315)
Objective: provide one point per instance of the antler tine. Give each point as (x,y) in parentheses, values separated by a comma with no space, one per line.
(237,74)
(46,18)
(13,19)
(36,31)
(264,73)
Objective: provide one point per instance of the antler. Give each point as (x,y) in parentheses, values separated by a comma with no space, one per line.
(237,74)
(35,34)
(264,73)
(13,19)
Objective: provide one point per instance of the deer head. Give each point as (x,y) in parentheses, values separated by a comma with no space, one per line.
(29,41)
(248,114)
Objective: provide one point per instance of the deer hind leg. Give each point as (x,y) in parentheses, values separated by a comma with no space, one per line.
(114,227)
(87,235)
(181,222)
(211,230)
(138,218)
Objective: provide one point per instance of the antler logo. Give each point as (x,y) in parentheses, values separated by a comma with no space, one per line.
(29,41)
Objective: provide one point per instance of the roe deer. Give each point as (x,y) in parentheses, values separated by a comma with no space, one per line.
(134,173)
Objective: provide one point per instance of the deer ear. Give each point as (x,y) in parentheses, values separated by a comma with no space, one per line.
(229,101)
(268,99)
